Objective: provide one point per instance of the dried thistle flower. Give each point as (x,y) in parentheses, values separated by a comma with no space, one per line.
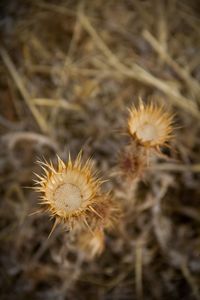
(150,125)
(71,194)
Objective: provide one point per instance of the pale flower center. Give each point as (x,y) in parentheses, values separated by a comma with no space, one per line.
(67,197)
(147,132)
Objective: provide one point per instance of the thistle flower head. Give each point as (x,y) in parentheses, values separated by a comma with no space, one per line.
(150,125)
(71,192)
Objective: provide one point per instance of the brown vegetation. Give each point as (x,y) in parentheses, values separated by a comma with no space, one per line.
(69,70)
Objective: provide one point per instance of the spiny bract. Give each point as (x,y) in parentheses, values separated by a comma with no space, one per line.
(133,161)
(71,193)
(150,125)
(92,245)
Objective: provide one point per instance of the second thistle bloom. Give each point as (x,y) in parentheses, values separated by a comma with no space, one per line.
(150,125)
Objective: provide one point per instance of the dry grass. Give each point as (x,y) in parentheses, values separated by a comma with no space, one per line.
(69,71)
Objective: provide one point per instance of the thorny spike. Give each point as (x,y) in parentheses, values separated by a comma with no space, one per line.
(45,170)
(69,164)
(94,211)
(40,177)
(36,212)
(61,164)
(88,226)
(53,228)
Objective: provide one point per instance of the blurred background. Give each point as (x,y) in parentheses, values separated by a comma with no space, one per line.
(68,72)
